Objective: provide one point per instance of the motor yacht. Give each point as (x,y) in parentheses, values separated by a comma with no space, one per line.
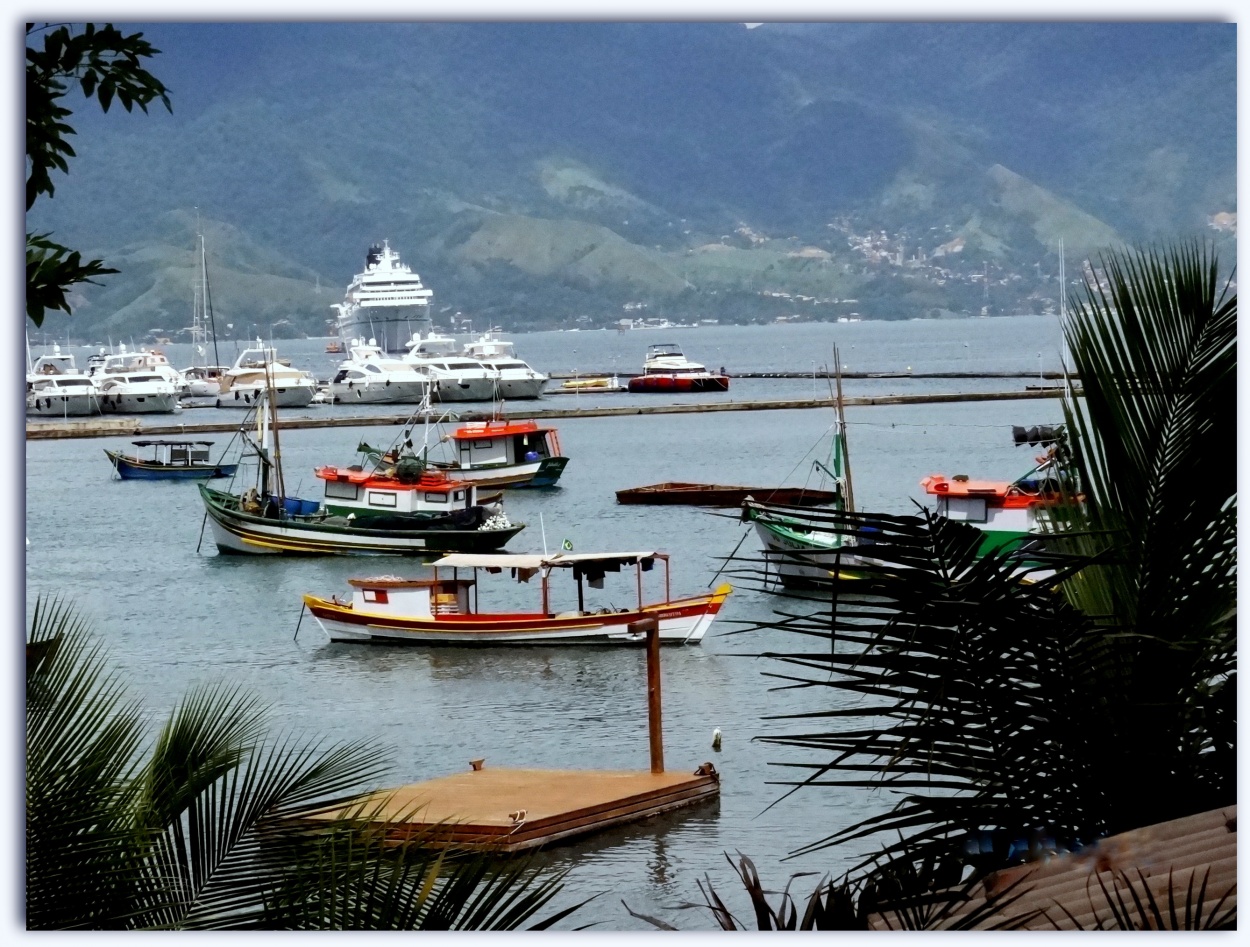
(370,376)
(56,388)
(515,378)
(136,393)
(258,368)
(666,369)
(455,377)
(144,361)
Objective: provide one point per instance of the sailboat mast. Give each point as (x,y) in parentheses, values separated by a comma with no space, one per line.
(208,306)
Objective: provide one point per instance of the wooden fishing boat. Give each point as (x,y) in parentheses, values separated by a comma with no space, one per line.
(170,460)
(402,509)
(443,609)
(676,493)
(496,453)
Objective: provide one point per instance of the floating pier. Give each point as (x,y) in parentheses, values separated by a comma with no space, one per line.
(513,810)
(115,427)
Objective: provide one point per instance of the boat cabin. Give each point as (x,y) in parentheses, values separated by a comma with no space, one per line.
(480,444)
(411,598)
(432,346)
(392,490)
(177,453)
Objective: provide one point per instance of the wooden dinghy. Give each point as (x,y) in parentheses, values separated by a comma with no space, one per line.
(676,493)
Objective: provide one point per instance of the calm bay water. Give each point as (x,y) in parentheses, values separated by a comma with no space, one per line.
(171,616)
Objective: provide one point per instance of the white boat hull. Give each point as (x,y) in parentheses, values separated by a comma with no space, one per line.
(397,392)
(125,403)
(58,404)
(515,389)
(285,395)
(680,622)
(464,389)
(391,327)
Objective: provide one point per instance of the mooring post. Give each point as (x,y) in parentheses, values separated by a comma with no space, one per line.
(651,627)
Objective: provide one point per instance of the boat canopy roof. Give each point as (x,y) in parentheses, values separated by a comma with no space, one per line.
(538,560)
(472,430)
(162,443)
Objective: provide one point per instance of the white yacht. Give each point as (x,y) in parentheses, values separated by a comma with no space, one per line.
(515,379)
(370,376)
(204,381)
(145,361)
(386,302)
(453,376)
(257,368)
(136,393)
(56,388)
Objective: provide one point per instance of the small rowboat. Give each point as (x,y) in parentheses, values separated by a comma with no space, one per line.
(444,609)
(715,494)
(170,460)
(583,384)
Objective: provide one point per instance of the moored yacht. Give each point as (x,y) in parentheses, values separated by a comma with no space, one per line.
(386,302)
(145,361)
(666,368)
(136,393)
(256,369)
(56,388)
(455,377)
(371,376)
(515,379)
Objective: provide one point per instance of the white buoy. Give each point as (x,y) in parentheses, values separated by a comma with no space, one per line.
(716,738)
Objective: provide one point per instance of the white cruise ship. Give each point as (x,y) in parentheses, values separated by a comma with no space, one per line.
(386,302)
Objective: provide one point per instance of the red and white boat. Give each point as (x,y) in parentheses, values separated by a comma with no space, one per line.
(667,369)
(444,609)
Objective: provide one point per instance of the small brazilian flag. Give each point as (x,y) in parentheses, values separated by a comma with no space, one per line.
(568,545)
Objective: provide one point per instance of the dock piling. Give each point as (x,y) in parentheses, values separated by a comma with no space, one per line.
(651,627)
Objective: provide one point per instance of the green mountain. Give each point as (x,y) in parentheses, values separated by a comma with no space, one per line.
(535,173)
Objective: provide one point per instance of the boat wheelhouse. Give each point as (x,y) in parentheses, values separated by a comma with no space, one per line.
(505,453)
(444,609)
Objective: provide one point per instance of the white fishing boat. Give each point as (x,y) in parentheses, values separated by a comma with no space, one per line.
(259,367)
(454,377)
(444,609)
(386,301)
(514,378)
(56,388)
(370,376)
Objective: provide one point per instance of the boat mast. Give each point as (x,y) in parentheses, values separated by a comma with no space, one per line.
(273,416)
(208,305)
(842,458)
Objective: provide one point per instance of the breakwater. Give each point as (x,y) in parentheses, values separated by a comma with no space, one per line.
(164,426)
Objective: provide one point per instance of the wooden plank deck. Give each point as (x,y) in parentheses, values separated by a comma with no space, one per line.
(1166,859)
(511,810)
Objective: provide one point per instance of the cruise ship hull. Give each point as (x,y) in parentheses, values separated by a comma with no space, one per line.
(391,327)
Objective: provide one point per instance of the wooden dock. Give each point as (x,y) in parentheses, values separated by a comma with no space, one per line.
(512,810)
(164,427)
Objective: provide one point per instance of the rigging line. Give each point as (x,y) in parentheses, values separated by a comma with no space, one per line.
(805,456)
(745,534)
